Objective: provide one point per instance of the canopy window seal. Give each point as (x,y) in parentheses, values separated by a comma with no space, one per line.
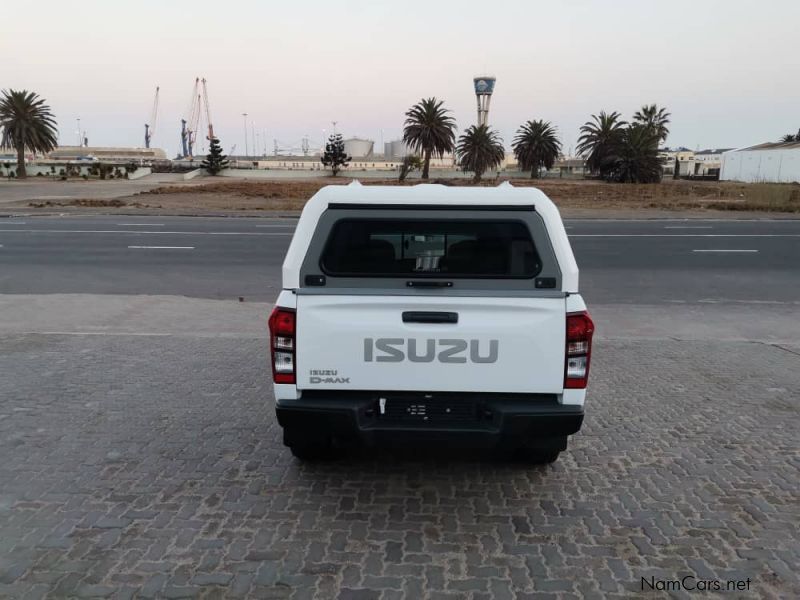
(431,249)
(429,292)
(422,207)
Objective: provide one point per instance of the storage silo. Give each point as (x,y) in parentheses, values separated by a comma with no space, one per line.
(358,148)
(395,150)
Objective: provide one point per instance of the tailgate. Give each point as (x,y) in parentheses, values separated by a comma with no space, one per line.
(509,344)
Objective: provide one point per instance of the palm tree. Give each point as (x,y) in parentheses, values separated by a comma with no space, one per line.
(791,138)
(655,118)
(536,145)
(479,149)
(429,131)
(600,139)
(26,122)
(636,159)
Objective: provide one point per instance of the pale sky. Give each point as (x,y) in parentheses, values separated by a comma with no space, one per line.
(727,70)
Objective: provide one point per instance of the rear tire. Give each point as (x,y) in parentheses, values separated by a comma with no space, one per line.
(312,452)
(307,447)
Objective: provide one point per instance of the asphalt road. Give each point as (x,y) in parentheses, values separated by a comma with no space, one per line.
(621,261)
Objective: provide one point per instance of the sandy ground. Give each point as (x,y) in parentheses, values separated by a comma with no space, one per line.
(572,196)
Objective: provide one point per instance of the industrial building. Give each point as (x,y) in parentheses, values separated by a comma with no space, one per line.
(765,163)
(359,148)
(396,150)
(675,162)
(707,163)
(108,154)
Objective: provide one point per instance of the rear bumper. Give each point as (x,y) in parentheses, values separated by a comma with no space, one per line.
(473,420)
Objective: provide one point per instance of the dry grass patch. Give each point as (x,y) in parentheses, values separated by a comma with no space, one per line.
(291,195)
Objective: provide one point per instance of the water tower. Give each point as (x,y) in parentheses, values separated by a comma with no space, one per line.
(484,86)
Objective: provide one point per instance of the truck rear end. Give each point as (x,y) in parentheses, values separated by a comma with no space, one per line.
(430,313)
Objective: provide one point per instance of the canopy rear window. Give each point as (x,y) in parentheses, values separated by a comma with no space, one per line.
(430,248)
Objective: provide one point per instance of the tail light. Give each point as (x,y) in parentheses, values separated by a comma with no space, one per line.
(579,350)
(282,337)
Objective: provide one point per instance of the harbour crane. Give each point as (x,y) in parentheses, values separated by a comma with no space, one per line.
(210,135)
(198,108)
(150,128)
(189,126)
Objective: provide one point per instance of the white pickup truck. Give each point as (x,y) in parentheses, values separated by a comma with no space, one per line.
(430,313)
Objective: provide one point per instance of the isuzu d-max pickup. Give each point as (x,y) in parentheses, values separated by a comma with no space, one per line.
(429,313)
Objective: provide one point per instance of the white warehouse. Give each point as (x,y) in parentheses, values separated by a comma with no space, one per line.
(769,163)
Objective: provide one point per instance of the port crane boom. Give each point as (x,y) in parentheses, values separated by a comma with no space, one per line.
(210,135)
(150,128)
(198,108)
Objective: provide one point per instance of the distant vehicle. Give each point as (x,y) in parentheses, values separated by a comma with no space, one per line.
(430,313)
(89,158)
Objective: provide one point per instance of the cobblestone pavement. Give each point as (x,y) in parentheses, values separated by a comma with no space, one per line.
(152,467)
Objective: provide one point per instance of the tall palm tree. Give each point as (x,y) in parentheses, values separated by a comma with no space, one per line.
(654,117)
(479,149)
(636,159)
(536,145)
(429,131)
(600,139)
(26,122)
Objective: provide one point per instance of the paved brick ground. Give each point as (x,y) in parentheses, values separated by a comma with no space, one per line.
(152,467)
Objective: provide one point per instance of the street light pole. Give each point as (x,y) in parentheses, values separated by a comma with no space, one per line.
(246,151)
(80,141)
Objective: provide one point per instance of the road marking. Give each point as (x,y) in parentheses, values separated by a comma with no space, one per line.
(162,247)
(123,231)
(682,235)
(727,301)
(96,333)
(688,227)
(724,250)
(15,223)
(676,220)
(264,233)
(268,226)
(139,224)
(241,233)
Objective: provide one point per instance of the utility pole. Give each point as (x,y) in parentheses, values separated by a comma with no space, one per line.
(80,137)
(246,152)
(254,138)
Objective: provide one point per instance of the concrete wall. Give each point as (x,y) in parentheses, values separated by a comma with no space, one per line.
(193,174)
(140,172)
(274,174)
(345,173)
(33,170)
(83,169)
(761,166)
